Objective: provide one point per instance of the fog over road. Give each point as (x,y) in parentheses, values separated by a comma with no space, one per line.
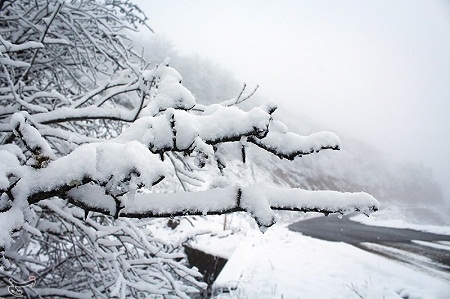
(420,249)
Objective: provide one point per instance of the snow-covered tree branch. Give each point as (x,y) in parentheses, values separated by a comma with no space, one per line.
(91,137)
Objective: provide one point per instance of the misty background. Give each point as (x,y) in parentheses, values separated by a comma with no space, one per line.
(378,71)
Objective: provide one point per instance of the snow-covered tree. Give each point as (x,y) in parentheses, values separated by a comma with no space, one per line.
(92,139)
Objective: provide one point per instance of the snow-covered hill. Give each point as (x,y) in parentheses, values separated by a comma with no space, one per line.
(358,166)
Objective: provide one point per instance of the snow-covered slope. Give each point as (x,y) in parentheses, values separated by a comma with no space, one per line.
(358,166)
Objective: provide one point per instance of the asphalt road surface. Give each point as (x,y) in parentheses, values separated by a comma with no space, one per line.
(423,250)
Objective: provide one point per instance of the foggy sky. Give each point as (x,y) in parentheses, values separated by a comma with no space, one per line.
(377,70)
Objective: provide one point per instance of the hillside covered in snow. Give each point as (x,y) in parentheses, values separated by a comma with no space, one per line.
(358,166)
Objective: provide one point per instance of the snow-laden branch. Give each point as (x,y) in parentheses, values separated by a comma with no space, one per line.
(66,114)
(7,46)
(117,168)
(290,145)
(259,200)
(178,129)
(104,177)
(284,144)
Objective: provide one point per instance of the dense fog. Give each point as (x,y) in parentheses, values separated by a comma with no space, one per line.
(377,71)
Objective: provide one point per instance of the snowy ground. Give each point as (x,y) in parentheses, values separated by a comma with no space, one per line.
(395,217)
(283,264)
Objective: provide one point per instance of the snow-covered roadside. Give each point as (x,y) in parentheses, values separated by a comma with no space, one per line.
(394,217)
(284,264)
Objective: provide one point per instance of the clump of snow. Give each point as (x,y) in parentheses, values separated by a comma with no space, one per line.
(256,201)
(170,93)
(278,127)
(10,220)
(202,202)
(93,197)
(13,149)
(217,124)
(114,168)
(31,136)
(9,165)
(218,244)
(10,47)
(103,162)
(220,123)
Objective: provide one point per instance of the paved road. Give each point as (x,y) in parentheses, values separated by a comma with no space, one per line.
(390,242)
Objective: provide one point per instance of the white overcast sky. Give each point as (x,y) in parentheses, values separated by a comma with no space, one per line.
(378,70)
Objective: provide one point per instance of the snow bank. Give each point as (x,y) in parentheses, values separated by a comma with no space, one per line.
(393,216)
(284,264)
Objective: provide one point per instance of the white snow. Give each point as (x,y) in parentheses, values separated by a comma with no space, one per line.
(93,196)
(392,217)
(9,164)
(285,264)
(10,47)
(91,112)
(10,220)
(171,93)
(209,200)
(14,63)
(31,136)
(101,162)
(259,200)
(222,244)
(220,123)
(432,245)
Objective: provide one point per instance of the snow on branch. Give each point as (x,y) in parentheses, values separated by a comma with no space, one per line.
(7,46)
(66,114)
(259,200)
(117,168)
(104,177)
(290,145)
(177,129)
(32,139)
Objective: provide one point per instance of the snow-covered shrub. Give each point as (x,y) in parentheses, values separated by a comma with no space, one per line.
(93,139)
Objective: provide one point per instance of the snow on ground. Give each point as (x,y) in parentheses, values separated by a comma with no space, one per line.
(394,217)
(282,264)
(285,264)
